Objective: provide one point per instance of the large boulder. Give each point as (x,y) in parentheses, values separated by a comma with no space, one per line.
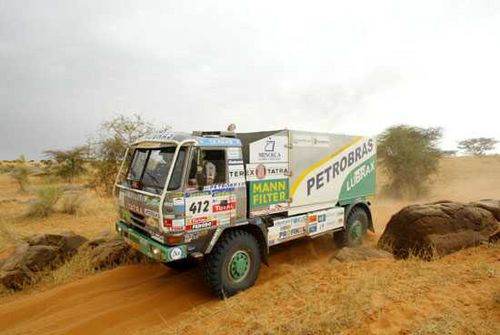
(440,228)
(35,254)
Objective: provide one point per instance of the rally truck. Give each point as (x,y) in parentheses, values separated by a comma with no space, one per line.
(224,198)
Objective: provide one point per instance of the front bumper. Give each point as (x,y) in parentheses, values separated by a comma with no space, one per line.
(148,246)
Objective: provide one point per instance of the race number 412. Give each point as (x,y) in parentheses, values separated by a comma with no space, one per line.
(199,207)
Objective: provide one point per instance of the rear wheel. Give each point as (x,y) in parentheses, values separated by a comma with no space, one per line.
(233,265)
(355,229)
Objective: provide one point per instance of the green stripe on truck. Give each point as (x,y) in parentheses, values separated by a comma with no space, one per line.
(146,245)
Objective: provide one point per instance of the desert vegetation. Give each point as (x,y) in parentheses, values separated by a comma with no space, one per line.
(477,146)
(409,156)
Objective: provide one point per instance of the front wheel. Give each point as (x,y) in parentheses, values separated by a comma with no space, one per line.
(233,265)
(355,229)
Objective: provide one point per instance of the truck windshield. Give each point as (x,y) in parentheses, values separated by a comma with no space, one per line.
(149,169)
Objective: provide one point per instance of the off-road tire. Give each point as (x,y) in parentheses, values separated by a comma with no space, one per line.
(181,265)
(217,266)
(355,229)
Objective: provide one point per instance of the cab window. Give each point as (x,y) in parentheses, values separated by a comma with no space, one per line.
(208,167)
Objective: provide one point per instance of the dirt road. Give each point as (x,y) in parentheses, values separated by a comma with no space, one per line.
(129,298)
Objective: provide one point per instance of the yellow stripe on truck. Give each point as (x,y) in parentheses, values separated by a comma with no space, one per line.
(321,162)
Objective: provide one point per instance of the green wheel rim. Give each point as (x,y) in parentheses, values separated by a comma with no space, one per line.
(356,231)
(239,266)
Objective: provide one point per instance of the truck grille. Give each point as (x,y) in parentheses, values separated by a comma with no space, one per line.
(138,219)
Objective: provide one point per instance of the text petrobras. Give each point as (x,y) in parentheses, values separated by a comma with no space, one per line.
(329,173)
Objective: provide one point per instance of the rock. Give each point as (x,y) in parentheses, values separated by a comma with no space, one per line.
(39,257)
(66,242)
(100,238)
(13,274)
(37,253)
(493,206)
(111,253)
(16,258)
(439,228)
(16,278)
(361,254)
(495,237)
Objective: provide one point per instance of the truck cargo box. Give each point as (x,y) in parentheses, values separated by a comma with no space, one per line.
(298,172)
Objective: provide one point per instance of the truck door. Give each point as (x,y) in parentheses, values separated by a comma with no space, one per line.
(209,199)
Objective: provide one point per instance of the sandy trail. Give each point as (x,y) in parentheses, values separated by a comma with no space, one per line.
(130,298)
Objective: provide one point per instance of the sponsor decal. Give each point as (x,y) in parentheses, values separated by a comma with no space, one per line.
(202,225)
(219,142)
(266,171)
(199,219)
(266,193)
(209,209)
(309,140)
(339,164)
(235,162)
(151,213)
(159,136)
(224,208)
(178,224)
(229,187)
(359,175)
(233,154)
(270,149)
(298,221)
(175,253)
(260,171)
(284,229)
(326,220)
(134,202)
(236,174)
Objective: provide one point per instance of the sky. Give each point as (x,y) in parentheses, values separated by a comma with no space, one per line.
(351,67)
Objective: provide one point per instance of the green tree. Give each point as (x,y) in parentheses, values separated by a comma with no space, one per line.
(109,149)
(20,173)
(69,164)
(409,156)
(477,146)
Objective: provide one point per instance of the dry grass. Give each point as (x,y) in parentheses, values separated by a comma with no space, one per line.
(46,198)
(72,203)
(52,210)
(452,295)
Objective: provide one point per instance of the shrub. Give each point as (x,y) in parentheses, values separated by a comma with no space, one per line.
(71,203)
(409,156)
(69,164)
(46,198)
(109,149)
(20,173)
(477,146)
